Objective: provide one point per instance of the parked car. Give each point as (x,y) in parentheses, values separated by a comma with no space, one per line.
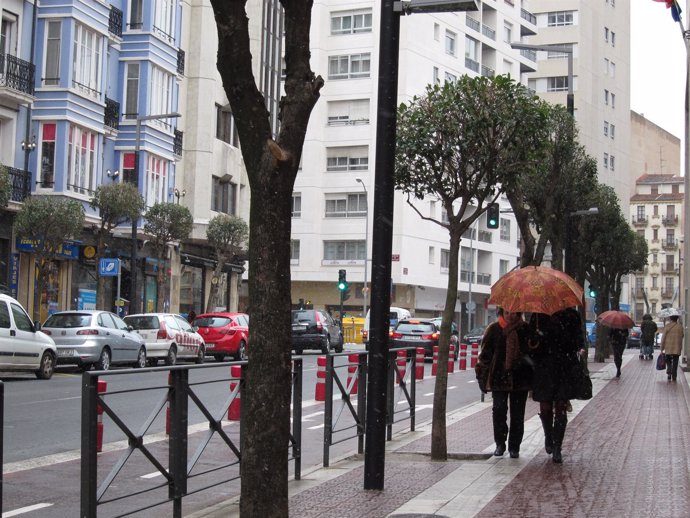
(396,314)
(22,346)
(474,335)
(168,337)
(94,338)
(315,329)
(454,334)
(634,337)
(417,333)
(224,333)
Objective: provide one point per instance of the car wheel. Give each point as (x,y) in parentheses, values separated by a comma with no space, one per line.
(201,355)
(103,363)
(47,367)
(326,347)
(219,357)
(171,357)
(141,359)
(339,348)
(241,351)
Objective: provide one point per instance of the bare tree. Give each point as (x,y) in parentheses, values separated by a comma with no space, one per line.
(227,235)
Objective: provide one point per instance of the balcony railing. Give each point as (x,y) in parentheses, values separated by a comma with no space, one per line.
(485,236)
(17,74)
(669,244)
(669,267)
(111,116)
(484,278)
(666,294)
(488,32)
(640,221)
(21,183)
(529,54)
(526,15)
(670,221)
(472,64)
(180,61)
(488,72)
(472,23)
(177,143)
(115,21)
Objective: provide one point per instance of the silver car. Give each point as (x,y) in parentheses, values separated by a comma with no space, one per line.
(94,338)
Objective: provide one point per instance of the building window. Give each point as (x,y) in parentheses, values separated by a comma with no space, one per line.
(639,282)
(606,128)
(507,32)
(294,251)
(451,43)
(606,97)
(156,180)
(348,67)
(164,21)
(612,162)
(132,91)
(297,205)
(352,112)
(136,14)
(675,188)
(8,34)
(129,171)
(606,66)
(432,255)
(613,131)
(471,48)
(560,18)
(655,189)
(437,32)
(225,126)
(640,212)
(48,155)
(81,160)
(502,267)
(224,196)
(346,206)
(161,88)
(655,237)
(354,158)
(505,229)
(656,210)
(670,265)
(445,260)
(613,100)
(450,78)
(51,71)
(606,34)
(432,209)
(613,39)
(612,68)
(552,54)
(435,79)
(606,160)
(86,61)
(344,251)
(557,84)
(350,22)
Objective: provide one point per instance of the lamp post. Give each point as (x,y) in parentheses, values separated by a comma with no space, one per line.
(570,100)
(365,290)
(382,232)
(134,300)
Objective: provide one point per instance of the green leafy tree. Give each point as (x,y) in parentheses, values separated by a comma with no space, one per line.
(5,186)
(228,235)
(462,143)
(116,204)
(166,223)
(47,221)
(272,162)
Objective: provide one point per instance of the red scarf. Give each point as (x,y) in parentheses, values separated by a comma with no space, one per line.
(512,341)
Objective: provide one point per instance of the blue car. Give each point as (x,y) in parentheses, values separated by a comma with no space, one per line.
(591,333)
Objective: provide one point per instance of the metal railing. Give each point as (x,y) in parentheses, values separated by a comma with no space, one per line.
(17,74)
(111,114)
(488,72)
(670,221)
(526,15)
(640,221)
(488,32)
(180,61)
(21,183)
(471,64)
(406,385)
(115,21)
(177,142)
(177,393)
(472,23)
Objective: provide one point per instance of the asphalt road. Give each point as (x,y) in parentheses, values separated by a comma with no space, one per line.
(42,438)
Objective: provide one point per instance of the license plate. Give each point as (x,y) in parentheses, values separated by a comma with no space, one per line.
(210,346)
(413,338)
(65,352)
(297,327)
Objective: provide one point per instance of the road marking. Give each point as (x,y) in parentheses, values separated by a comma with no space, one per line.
(452,387)
(152,475)
(50,400)
(428,394)
(27,509)
(312,415)
(422,407)
(472,381)
(315,427)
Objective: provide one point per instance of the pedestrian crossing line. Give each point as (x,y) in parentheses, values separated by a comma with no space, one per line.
(316,427)
(152,475)
(312,415)
(28,509)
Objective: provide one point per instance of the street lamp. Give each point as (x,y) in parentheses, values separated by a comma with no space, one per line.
(365,290)
(133,303)
(382,231)
(570,102)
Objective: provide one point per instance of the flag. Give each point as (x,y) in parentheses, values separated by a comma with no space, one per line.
(675,8)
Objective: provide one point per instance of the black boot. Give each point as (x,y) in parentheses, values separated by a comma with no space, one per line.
(560,422)
(547,425)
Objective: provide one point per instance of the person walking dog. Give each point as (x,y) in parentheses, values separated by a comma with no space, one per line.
(671,345)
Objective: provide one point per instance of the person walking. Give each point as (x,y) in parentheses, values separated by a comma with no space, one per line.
(671,345)
(554,348)
(504,370)
(618,339)
(648,329)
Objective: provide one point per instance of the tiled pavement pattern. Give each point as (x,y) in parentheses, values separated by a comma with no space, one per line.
(625,456)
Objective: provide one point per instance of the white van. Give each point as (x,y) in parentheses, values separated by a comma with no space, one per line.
(395,315)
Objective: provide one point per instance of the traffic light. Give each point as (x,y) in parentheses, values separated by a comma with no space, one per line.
(342,280)
(592,291)
(493,213)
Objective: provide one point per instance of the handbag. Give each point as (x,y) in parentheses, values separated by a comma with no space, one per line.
(661,362)
(581,381)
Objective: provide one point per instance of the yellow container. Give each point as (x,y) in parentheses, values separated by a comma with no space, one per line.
(352,329)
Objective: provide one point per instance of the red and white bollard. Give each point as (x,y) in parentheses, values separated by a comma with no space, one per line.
(353,364)
(401,366)
(462,365)
(102,387)
(236,405)
(320,392)
(475,354)
(451,358)
(419,368)
(434,362)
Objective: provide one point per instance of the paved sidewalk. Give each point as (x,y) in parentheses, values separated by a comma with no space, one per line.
(626,453)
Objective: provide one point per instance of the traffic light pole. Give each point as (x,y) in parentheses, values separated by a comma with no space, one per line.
(342,298)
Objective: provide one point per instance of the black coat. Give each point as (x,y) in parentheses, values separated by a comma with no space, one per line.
(490,369)
(554,347)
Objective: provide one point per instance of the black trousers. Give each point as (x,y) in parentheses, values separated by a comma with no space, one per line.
(518,400)
(618,355)
(672,365)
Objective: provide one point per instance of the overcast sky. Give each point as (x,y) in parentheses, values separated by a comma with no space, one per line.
(658,60)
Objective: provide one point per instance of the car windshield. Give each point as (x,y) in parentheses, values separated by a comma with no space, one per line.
(68,320)
(211,321)
(409,327)
(143,322)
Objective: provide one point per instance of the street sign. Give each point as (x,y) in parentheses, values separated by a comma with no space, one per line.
(109,267)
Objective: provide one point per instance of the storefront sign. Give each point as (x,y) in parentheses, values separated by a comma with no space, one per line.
(14,274)
(87,299)
(67,250)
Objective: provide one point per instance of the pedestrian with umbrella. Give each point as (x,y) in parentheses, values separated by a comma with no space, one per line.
(619,323)
(648,329)
(671,345)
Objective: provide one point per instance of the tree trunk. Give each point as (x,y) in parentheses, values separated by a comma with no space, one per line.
(161,277)
(439,446)
(212,302)
(101,281)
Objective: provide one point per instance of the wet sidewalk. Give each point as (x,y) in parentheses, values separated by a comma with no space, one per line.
(625,454)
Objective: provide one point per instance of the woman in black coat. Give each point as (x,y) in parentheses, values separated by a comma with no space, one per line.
(554,347)
(502,370)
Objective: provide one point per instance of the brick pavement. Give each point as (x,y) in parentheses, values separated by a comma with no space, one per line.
(625,453)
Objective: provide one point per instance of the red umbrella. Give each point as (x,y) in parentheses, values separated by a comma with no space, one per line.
(615,319)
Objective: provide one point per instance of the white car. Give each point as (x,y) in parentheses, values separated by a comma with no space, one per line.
(168,337)
(22,346)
